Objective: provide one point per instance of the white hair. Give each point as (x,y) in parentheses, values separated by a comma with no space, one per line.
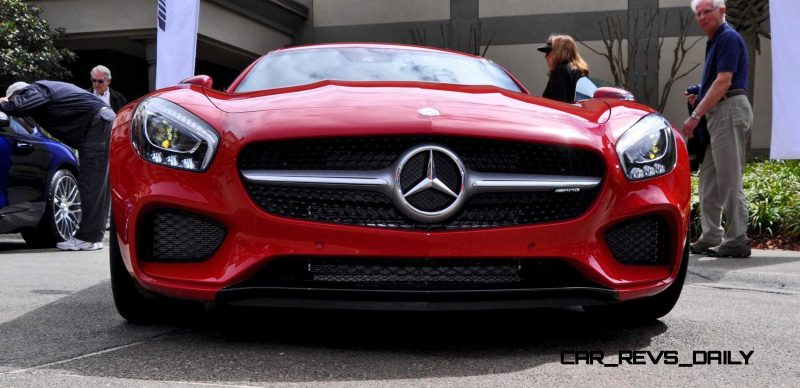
(101,69)
(714,3)
(15,87)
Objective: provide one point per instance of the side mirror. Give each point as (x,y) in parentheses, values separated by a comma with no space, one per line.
(609,92)
(199,80)
(4,120)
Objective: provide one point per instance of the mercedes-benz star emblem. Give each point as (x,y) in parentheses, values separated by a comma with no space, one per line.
(429,183)
(428,112)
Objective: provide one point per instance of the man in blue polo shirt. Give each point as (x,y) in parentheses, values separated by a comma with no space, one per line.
(723,101)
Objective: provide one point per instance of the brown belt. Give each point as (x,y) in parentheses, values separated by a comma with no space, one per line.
(734,93)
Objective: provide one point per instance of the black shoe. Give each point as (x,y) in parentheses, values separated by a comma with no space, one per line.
(739,251)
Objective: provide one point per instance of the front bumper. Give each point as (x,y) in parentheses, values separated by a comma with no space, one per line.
(432,300)
(254,238)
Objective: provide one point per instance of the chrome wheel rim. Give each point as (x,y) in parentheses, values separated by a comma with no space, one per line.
(66,206)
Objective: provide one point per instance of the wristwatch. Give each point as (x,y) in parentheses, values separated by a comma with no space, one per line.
(694,115)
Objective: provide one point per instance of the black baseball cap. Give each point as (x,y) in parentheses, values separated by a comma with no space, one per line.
(546,48)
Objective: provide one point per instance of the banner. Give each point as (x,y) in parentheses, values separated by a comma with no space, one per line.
(783,16)
(176,40)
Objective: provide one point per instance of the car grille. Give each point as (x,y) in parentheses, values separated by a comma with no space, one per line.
(640,241)
(168,235)
(375,153)
(416,274)
(370,208)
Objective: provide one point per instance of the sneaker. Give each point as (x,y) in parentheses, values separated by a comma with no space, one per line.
(740,251)
(700,247)
(74,244)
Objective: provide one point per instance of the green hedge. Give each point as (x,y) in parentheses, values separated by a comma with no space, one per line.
(772,188)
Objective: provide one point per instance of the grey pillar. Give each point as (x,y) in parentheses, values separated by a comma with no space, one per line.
(464,29)
(643,55)
(150,56)
(305,34)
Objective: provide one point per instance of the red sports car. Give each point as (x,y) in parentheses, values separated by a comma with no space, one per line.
(394,177)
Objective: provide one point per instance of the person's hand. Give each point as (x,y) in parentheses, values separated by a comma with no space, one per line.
(691,97)
(688,127)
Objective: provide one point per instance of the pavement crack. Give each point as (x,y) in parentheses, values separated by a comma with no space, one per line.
(82,356)
(701,276)
(92,354)
(723,286)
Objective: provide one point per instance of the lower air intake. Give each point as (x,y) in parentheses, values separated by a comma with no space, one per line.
(419,271)
(416,274)
(179,237)
(640,241)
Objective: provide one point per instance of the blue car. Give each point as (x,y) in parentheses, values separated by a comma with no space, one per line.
(38,186)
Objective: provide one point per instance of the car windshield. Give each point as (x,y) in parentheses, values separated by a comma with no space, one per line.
(301,67)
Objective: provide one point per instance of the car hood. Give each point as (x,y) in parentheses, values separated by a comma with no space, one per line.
(340,109)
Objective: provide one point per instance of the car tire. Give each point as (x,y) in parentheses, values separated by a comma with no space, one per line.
(129,301)
(137,305)
(58,222)
(649,308)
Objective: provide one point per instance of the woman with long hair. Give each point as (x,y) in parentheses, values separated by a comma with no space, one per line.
(564,66)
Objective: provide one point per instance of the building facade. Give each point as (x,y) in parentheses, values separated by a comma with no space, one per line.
(121,34)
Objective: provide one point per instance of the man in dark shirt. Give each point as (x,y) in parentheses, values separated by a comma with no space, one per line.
(723,101)
(101,87)
(81,121)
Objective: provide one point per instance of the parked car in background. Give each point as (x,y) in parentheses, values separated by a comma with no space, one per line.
(38,189)
(394,177)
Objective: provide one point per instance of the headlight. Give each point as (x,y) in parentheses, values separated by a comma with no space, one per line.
(164,133)
(647,149)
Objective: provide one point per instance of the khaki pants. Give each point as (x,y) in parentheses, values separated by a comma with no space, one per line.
(729,124)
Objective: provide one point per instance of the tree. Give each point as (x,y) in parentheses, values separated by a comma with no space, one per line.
(643,33)
(451,38)
(27,52)
(748,17)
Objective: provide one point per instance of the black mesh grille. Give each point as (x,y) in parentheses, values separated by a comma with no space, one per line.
(368,208)
(640,241)
(354,207)
(175,236)
(406,273)
(413,172)
(418,271)
(375,153)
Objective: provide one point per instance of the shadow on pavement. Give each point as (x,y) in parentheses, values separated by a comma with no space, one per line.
(268,345)
(8,247)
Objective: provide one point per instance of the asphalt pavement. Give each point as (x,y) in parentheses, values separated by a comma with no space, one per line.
(769,270)
(58,327)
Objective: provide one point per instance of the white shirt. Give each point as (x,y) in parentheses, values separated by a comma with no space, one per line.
(105,97)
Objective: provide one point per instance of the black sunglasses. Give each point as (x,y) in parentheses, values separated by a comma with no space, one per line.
(99,81)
